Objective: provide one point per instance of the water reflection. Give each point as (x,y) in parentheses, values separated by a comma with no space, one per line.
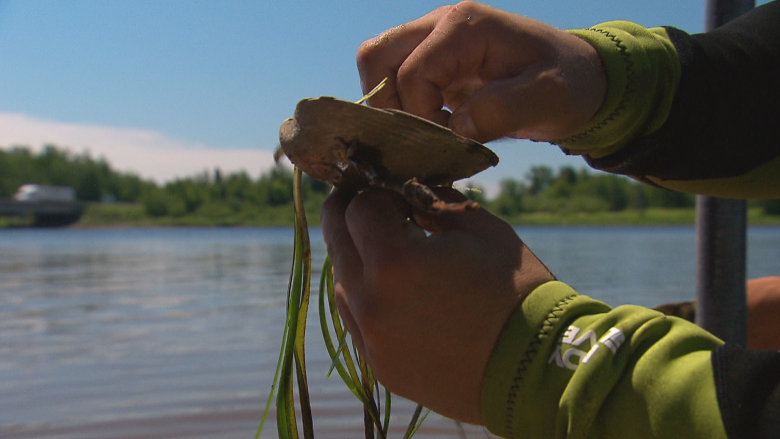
(123,324)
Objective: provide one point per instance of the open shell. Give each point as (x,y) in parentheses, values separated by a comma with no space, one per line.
(352,145)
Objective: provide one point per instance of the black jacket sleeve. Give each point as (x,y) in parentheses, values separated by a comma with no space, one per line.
(748,388)
(726,112)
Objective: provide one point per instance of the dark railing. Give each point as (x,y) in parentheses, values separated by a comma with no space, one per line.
(721,235)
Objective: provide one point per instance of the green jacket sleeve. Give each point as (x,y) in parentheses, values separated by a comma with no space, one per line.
(693,113)
(568,366)
(643,71)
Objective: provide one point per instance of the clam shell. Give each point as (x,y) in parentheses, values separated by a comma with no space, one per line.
(348,144)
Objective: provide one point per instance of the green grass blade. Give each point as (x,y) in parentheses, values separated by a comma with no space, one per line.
(372,92)
(342,335)
(273,387)
(281,349)
(416,421)
(291,365)
(303,397)
(326,287)
(386,424)
(371,410)
(285,401)
(351,378)
(303,307)
(348,371)
(337,357)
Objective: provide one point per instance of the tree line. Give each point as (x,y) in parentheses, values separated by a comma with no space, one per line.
(93,179)
(541,189)
(570,190)
(209,193)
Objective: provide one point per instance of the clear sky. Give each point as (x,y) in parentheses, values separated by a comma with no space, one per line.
(169,88)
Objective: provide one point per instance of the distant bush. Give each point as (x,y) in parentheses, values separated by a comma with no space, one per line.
(772,207)
(571,191)
(154,204)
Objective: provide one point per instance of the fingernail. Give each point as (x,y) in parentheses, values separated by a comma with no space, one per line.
(463,124)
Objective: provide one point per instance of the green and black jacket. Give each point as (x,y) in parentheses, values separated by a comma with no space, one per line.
(694,113)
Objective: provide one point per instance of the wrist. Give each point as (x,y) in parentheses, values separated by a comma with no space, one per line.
(529,332)
(642,72)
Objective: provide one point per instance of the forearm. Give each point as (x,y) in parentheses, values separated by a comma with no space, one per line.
(700,116)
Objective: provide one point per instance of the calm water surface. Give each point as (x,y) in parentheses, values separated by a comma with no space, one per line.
(132,324)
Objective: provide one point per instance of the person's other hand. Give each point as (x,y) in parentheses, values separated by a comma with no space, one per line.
(425,309)
(501,74)
(763,307)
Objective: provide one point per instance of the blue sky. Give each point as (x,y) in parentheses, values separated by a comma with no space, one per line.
(167,88)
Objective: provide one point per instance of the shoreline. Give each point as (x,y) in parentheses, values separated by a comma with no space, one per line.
(281,216)
(126,226)
(130,216)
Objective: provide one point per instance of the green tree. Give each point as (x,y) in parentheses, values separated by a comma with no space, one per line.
(772,207)
(238,187)
(217,189)
(562,185)
(660,197)
(276,187)
(612,190)
(639,199)
(92,178)
(155,202)
(192,192)
(88,186)
(316,186)
(539,178)
(509,200)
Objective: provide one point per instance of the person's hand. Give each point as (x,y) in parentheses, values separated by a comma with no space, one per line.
(425,309)
(763,307)
(499,73)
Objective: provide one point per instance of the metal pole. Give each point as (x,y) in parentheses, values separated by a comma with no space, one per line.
(720,236)
(719,12)
(720,270)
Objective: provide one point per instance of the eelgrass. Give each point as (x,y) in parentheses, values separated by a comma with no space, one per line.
(355,372)
(292,351)
(359,377)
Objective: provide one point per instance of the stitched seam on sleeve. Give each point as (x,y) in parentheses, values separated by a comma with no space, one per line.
(528,357)
(627,95)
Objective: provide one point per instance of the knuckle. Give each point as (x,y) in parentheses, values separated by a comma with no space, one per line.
(466,7)
(467,12)
(367,51)
(406,73)
(373,50)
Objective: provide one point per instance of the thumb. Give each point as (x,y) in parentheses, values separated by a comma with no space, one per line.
(530,105)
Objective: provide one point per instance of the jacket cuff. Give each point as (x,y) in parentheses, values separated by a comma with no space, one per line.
(566,363)
(643,71)
(530,333)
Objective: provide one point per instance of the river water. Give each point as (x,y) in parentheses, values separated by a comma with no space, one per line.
(175,332)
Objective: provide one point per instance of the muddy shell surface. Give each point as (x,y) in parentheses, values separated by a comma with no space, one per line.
(348,144)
